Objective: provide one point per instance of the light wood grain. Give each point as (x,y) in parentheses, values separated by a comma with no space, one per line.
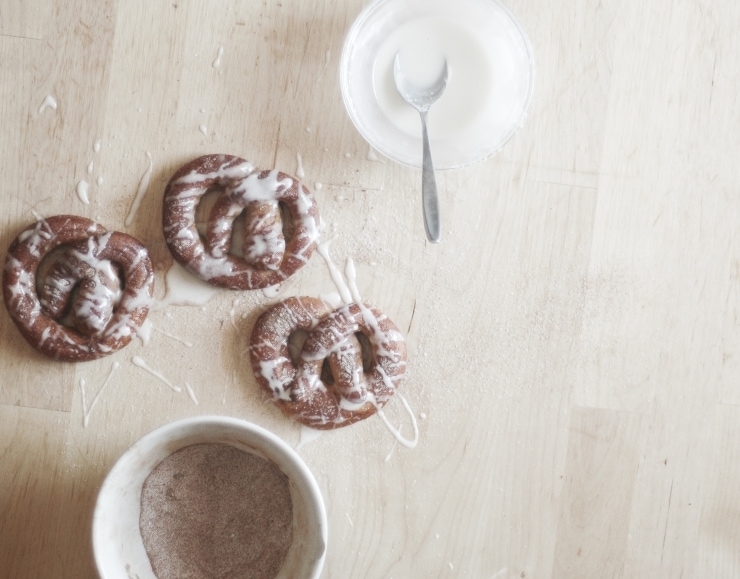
(573,342)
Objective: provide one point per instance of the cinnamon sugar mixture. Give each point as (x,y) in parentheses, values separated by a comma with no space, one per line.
(214,511)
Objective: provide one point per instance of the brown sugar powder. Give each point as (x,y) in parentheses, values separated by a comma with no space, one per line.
(214,511)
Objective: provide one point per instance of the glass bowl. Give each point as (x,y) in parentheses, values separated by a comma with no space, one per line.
(488,93)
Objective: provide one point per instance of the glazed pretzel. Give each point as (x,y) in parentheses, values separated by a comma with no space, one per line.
(101,281)
(269,258)
(354,390)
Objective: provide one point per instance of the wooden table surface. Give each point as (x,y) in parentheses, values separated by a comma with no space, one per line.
(574,341)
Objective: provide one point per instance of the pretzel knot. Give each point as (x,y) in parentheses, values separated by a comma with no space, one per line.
(272,250)
(93,292)
(333,381)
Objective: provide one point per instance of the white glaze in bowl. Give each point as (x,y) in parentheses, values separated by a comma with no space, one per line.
(488,94)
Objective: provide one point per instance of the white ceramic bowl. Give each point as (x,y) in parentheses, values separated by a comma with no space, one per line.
(490,86)
(117,543)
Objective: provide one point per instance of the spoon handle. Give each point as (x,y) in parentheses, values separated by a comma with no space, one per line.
(429,197)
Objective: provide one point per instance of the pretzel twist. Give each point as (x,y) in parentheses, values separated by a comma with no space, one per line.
(299,385)
(94,296)
(268,257)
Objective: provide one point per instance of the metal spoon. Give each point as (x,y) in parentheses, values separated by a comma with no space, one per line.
(421,98)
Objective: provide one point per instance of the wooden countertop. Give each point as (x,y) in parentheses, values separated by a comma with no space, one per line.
(574,343)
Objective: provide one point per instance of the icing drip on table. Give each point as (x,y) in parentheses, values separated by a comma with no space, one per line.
(140,363)
(87,410)
(49,103)
(140,191)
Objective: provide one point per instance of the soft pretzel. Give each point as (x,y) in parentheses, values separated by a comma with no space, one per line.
(354,389)
(94,296)
(269,258)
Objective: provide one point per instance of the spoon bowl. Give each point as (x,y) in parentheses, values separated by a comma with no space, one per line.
(422,97)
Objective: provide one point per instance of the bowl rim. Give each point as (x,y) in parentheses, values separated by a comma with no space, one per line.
(187,426)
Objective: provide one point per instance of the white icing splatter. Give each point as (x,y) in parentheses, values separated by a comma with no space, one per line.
(140,363)
(300,173)
(173,337)
(143,186)
(184,289)
(82,189)
(271,292)
(217,61)
(49,103)
(203,129)
(308,435)
(191,393)
(91,167)
(96,146)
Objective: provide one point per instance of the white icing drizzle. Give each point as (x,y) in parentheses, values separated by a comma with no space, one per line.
(82,189)
(91,167)
(217,61)
(299,172)
(395,432)
(87,410)
(308,435)
(191,393)
(143,186)
(184,289)
(140,363)
(203,129)
(390,452)
(49,103)
(336,275)
(173,337)
(349,520)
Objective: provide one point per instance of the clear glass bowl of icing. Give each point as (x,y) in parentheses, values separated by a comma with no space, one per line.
(490,88)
